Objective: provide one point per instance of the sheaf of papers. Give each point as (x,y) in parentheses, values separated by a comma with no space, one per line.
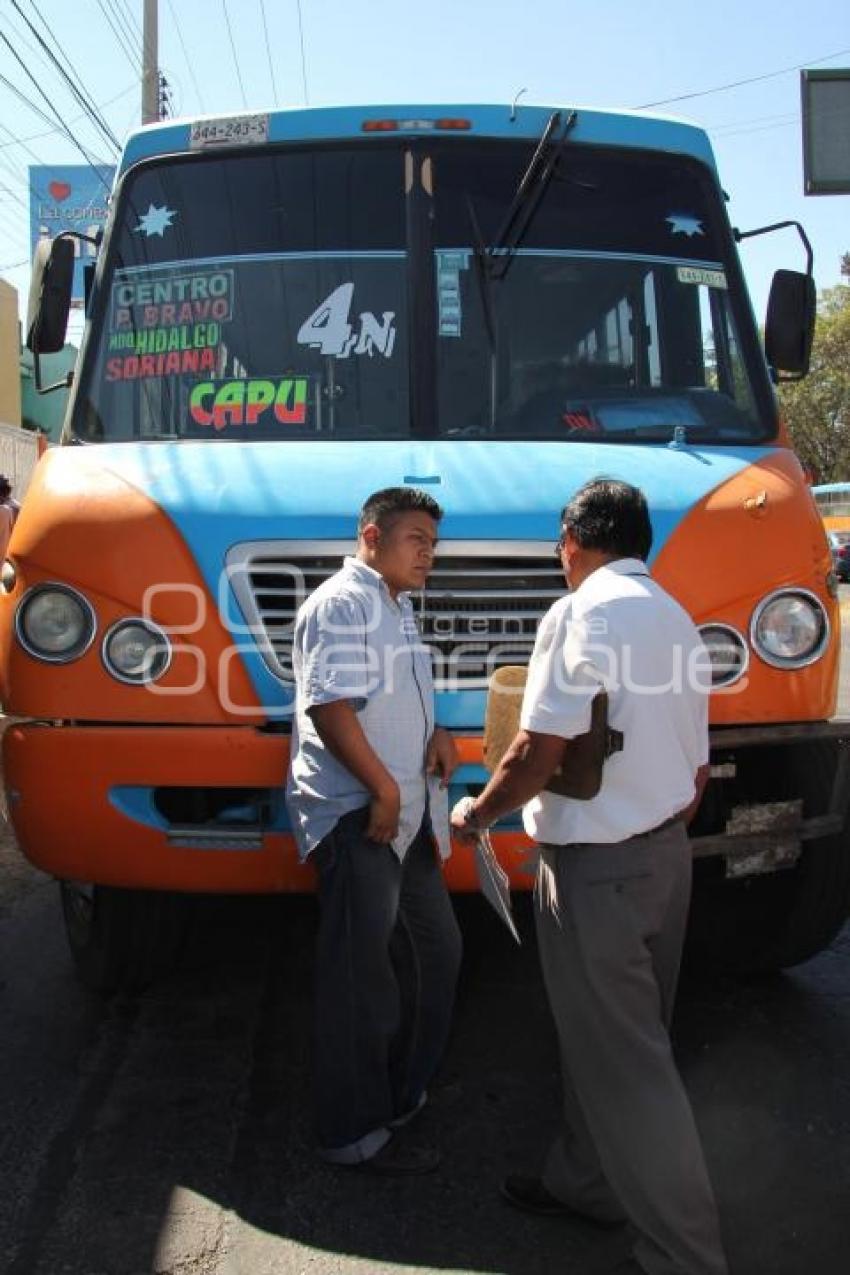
(493,881)
(438,806)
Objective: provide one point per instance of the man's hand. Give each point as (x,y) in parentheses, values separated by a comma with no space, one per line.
(525,769)
(384,811)
(441,758)
(460,827)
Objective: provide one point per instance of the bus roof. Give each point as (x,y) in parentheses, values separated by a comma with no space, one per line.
(335,123)
(827,489)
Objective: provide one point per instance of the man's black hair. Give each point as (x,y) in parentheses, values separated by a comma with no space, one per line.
(610,516)
(383,507)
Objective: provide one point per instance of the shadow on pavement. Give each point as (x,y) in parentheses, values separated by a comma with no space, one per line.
(197,1100)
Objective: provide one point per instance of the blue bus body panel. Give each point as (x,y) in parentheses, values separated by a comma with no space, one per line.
(218,495)
(593,127)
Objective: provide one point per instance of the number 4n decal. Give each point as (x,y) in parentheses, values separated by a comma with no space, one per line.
(328,330)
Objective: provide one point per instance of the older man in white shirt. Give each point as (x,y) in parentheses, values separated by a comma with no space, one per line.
(613,885)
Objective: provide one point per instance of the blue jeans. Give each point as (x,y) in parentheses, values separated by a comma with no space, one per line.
(387,962)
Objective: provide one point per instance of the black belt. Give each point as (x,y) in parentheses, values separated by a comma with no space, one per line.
(638,836)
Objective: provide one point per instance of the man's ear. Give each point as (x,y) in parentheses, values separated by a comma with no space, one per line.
(370,535)
(571,546)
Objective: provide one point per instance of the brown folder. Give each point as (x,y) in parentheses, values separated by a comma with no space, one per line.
(580,773)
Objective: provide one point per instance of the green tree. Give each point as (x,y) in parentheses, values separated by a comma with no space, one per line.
(817,410)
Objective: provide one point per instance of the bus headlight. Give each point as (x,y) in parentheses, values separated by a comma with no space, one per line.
(790,628)
(55,623)
(136,651)
(727,652)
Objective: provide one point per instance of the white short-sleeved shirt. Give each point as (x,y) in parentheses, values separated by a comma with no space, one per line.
(353,642)
(621,631)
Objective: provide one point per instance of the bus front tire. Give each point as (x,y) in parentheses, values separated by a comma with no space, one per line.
(122,940)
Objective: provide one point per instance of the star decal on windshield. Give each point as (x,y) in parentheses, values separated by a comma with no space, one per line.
(681,224)
(155,221)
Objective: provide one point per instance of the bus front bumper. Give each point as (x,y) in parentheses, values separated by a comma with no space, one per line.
(136,807)
(86,803)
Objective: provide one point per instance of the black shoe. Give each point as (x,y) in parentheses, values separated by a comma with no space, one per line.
(532,1196)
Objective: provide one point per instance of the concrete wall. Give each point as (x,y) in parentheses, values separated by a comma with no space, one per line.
(10,354)
(19,451)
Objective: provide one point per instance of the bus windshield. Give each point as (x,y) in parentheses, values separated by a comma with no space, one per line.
(268,294)
(612,319)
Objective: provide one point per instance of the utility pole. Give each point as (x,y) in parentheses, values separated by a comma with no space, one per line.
(150,64)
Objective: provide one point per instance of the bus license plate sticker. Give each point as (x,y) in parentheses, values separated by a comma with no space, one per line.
(229,130)
(701,275)
(449,266)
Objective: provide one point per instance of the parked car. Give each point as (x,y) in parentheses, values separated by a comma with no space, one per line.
(839,543)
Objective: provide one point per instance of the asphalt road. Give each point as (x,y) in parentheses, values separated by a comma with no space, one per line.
(170,1132)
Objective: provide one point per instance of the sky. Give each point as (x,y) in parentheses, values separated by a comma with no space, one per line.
(622,53)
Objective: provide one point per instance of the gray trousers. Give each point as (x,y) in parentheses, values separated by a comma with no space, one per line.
(387,962)
(610,925)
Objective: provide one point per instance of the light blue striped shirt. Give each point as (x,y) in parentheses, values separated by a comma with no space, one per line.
(354,642)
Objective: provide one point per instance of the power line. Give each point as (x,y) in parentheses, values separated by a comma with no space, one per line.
(75,119)
(761,128)
(18,142)
(18,172)
(16,227)
(268,50)
(16,234)
(13,218)
(173,12)
(6,190)
(78,90)
(758,119)
(9,163)
(119,25)
(736,84)
(235,58)
(38,111)
(303,58)
(131,19)
(126,48)
(89,104)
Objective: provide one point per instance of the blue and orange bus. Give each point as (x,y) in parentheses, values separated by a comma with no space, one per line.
(291,310)
(833,503)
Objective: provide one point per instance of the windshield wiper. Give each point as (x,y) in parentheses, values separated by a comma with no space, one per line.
(493,263)
(529,192)
(482,274)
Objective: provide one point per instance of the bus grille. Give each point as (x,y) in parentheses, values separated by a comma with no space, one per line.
(480,610)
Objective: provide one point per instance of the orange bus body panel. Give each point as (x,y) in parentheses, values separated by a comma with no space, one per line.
(114,849)
(74,527)
(716,564)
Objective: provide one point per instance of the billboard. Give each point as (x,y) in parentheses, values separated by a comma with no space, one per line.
(826,131)
(69,197)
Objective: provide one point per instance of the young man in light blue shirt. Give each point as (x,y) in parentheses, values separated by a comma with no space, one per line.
(364,744)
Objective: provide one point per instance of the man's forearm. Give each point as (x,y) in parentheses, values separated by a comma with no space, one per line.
(340,731)
(523,772)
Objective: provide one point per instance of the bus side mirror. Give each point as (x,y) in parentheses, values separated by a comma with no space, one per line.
(50,295)
(790,325)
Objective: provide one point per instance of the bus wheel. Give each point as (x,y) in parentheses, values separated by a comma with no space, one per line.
(766,923)
(122,940)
